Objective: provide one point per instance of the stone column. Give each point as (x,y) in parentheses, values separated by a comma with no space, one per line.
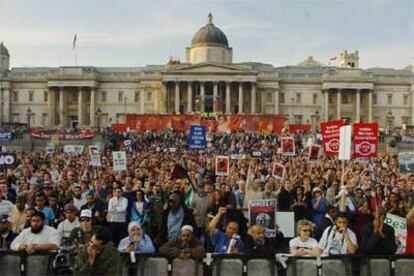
(61,107)
(228,97)
(338,104)
(80,106)
(189,96)
(253,98)
(412,104)
(142,101)
(240,97)
(92,108)
(203,97)
(326,103)
(215,95)
(358,106)
(276,101)
(177,97)
(50,107)
(6,109)
(164,98)
(370,106)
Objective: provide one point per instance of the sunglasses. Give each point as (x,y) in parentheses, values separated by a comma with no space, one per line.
(306,230)
(85,219)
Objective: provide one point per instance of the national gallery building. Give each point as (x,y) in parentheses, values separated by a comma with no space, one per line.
(208,81)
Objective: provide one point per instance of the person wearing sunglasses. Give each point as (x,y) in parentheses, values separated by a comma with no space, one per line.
(80,236)
(303,244)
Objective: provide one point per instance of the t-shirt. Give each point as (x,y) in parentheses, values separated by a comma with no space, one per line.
(311,243)
(221,243)
(409,249)
(332,242)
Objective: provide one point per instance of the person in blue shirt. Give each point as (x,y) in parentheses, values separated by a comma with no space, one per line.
(46,210)
(136,241)
(228,242)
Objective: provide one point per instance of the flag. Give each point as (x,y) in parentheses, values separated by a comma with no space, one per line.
(75,37)
(333,58)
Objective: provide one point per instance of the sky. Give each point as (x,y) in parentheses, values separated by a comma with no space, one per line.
(133,33)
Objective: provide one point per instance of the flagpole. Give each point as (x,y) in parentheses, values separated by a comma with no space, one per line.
(76,56)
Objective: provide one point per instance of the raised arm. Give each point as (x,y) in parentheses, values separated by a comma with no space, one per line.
(213,223)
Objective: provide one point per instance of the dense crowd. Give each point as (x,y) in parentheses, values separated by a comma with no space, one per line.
(170,201)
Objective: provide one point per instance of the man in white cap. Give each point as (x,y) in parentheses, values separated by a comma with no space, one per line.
(185,246)
(71,222)
(81,235)
(136,241)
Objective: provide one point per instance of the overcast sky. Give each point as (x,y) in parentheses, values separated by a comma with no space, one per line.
(143,32)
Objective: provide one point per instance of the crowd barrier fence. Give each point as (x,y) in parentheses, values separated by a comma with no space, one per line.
(17,263)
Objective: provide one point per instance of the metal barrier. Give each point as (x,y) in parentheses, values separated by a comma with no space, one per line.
(15,263)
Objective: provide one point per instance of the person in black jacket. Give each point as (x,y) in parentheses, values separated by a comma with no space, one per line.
(378,238)
(173,219)
(257,244)
(327,221)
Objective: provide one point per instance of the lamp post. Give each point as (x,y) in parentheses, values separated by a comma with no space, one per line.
(292,116)
(98,119)
(389,120)
(125,99)
(316,120)
(29,114)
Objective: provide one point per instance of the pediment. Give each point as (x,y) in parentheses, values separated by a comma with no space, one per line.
(210,68)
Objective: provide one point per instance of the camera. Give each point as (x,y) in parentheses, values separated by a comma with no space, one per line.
(64,261)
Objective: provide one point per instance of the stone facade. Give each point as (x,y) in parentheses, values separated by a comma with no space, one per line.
(208,81)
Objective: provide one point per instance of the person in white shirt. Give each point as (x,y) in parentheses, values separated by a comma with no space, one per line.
(6,207)
(303,244)
(38,237)
(117,212)
(338,239)
(71,222)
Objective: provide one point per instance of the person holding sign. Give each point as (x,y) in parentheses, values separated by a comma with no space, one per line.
(228,242)
(409,249)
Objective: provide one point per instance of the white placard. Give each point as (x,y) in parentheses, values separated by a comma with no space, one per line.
(345,136)
(119,160)
(95,156)
(286,222)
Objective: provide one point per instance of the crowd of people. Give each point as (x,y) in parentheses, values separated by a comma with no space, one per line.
(170,201)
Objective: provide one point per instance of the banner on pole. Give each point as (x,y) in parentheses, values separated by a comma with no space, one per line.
(365,140)
(262,212)
(119,160)
(330,136)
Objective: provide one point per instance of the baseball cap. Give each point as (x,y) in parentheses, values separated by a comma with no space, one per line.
(86,213)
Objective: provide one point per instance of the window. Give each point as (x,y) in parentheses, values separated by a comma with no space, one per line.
(136,97)
(389,99)
(45,96)
(298,98)
(149,96)
(298,119)
(31,96)
(120,96)
(103,96)
(405,100)
(374,99)
(269,97)
(44,119)
(282,98)
(345,99)
(315,99)
(15,117)
(15,97)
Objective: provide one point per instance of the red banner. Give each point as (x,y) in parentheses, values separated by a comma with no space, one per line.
(265,124)
(294,128)
(365,140)
(330,136)
(38,134)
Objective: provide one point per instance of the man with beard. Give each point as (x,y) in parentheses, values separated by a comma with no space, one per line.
(6,235)
(81,235)
(78,200)
(38,237)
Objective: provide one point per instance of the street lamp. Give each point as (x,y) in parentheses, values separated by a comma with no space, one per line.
(29,114)
(98,119)
(292,119)
(125,99)
(389,119)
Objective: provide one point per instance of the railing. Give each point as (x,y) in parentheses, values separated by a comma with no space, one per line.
(15,263)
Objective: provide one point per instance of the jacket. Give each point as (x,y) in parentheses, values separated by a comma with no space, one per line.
(173,248)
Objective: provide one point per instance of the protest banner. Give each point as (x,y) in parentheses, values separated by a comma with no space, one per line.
(262,212)
(8,160)
(279,171)
(222,166)
(406,161)
(119,160)
(330,136)
(95,156)
(400,227)
(314,152)
(365,140)
(197,139)
(288,146)
(345,137)
(73,149)
(5,136)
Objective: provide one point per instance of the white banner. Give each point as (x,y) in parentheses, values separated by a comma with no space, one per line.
(119,160)
(400,227)
(95,156)
(345,136)
(70,149)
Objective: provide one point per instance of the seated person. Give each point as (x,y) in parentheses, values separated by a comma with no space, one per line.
(185,246)
(338,239)
(38,237)
(228,242)
(303,244)
(137,241)
(257,244)
(81,235)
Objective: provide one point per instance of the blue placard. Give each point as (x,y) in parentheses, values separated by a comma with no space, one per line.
(197,139)
(5,136)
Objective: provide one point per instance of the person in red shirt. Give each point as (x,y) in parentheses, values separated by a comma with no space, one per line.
(409,249)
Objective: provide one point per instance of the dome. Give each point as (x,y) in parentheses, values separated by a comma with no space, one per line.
(209,34)
(3,50)
(310,62)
